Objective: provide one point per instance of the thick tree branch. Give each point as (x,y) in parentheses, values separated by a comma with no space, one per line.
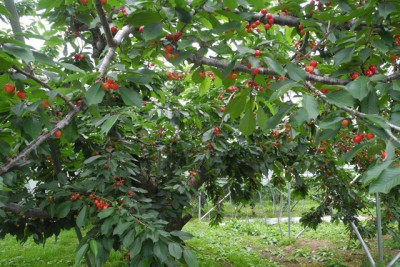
(104,23)
(126,30)
(45,85)
(309,77)
(14,20)
(223,65)
(280,20)
(35,144)
(34,213)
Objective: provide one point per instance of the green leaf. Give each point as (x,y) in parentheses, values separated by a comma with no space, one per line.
(275,66)
(4,11)
(94,247)
(295,72)
(63,209)
(105,213)
(359,88)
(183,15)
(129,238)
(281,88)
(331,123)
(80,220)
(207,135)
(248,123)
(91,159)
(236,106)
(277,118)
(354,152)
(205,86)
(144,18)
(109,123)
(95,94)
(377,120)
(130,97)
(175,250)
(388,179)
(386,8)
(182,235)
(19,52)
(373,173)
(231,4)
(343,56)
(49,4)
(120,229)
(152,31)
(189,257)
(72,67)
(311,106)
(32,127)
(340,98)
(80,253)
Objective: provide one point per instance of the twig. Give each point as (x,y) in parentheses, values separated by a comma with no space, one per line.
(45,85)
(117,40)
(106,27)
(14,20)
(35,144)
(354,112)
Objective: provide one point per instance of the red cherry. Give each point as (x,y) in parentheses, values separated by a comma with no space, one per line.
(354,75)
(264,11)
(45,103)
(357,139)
(383,155)
(372,68)
(369,73)
(324,90)
(313,63)
(269,16)
(301,27)
(370,136)
(103,2)
(309,69)
(141,29)
(84,2)
(21,94)
(257,53)
(267,26)
(105,86)
(114,30)
(9,88)
(169,48)
(113,86)
(345,123)
(57,134)
(255,71)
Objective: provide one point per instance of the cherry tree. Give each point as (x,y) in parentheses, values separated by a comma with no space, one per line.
(128,108)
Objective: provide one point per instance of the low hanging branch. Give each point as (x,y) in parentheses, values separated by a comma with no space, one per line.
(35,144)
(45,85)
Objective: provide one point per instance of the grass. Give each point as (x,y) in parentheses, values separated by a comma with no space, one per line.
(60,252)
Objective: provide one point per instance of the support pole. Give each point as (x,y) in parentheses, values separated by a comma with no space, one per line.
(379,227)
(364,246)
(219,202)
(289,208)
(395,259)
(301,232)
(199,205)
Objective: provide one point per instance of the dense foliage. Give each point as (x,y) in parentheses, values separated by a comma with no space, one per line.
(129,107)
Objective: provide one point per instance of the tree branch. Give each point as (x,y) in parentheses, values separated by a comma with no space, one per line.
(35,144)
(117,39)
(104,23)
(34,213)
(14,20)
(45,85)
(354,112)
